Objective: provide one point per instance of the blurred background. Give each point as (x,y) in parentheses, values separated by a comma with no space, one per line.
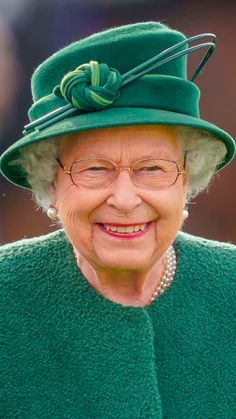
(31,30)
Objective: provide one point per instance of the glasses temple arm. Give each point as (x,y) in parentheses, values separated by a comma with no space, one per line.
(60,164)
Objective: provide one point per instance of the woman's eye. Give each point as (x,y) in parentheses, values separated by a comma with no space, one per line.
(151,169)
(96,168)
(102,170)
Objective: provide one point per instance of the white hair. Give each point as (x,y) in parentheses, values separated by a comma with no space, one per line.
(204,152)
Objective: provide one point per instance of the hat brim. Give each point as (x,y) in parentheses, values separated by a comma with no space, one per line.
(110,117)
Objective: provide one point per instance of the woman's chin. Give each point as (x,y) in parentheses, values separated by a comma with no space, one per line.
(127,260)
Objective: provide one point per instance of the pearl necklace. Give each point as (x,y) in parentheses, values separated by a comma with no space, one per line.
(168,274)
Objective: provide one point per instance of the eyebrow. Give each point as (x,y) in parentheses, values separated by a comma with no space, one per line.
(151,155)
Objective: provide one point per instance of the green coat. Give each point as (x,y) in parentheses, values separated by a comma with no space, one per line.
(68,352)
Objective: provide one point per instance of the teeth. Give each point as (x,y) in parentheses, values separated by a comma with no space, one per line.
(130,229)
(123,229)
(112,228)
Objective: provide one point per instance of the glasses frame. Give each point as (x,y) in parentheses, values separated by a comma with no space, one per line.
(180,171)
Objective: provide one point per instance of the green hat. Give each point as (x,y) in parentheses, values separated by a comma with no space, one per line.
(129,75)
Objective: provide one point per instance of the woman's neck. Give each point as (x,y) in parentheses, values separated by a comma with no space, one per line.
(129,288)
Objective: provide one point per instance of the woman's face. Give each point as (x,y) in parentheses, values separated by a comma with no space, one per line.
(88,215)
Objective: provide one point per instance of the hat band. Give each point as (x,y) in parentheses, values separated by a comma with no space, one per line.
(151,91)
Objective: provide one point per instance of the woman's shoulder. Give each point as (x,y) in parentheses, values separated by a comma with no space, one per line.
(207,271)
(28,253)
(207,257)
(190,243)
(29,270)
(28,245)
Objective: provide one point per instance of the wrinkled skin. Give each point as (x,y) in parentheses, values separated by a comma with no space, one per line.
(125,271)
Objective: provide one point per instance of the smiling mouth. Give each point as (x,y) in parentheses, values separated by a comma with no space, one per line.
(125,229)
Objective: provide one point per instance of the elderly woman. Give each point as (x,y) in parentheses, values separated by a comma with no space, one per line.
(118,314)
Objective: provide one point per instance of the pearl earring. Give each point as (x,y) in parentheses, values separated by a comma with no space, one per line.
(185,214)
(52,213)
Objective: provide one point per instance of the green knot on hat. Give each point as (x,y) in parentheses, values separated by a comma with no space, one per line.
(129,75)
(91,86)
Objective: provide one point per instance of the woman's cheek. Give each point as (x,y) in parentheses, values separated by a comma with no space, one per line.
(73,210)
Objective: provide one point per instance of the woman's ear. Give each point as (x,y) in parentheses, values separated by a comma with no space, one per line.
(52,211)
(185,193)
(53,194)
(185,178)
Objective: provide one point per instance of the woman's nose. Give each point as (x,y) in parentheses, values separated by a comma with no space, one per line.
(123,194)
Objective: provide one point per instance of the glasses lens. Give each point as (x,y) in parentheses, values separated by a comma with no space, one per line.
(93,173)
(154,173)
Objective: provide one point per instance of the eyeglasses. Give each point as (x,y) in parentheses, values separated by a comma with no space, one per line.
(149,173)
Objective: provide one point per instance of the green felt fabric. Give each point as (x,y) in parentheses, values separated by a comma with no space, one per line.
(162,96)
(67,352)
(124,48)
